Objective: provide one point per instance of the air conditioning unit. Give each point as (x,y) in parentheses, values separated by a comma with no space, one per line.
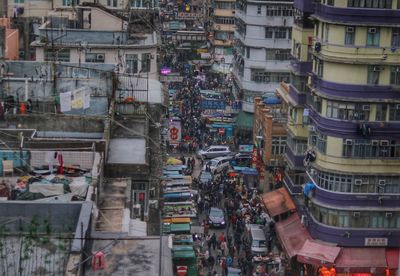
(100,57)
(350,29)
(349,142)
(375,142)
(313,172)
(389,215)
(153,204)
(366,107)
(377,68)
(152,192)
(316,98)
(384,143)
(311,128)
(397,106)
(381,182)
(356,214)
(357,181)
(136,210)
(372,30)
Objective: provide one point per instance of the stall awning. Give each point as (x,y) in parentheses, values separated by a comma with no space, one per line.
(392,257)
(278,202)
(357,259)
(316,253)
(292,234)
(244,120)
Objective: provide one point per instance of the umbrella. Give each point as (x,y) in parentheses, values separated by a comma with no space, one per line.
(174,161)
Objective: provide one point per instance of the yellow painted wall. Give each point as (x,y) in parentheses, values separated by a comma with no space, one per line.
(352,165)
(334,146)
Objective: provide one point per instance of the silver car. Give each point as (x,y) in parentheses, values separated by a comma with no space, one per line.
(213,151)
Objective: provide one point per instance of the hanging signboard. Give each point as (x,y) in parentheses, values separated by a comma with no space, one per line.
(174,132)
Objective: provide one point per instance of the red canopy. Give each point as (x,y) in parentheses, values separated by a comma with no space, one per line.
(392,258)
(292,234)
(316,253)
(278,202)
(361,259)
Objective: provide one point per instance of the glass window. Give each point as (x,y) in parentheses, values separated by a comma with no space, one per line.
(146,61)
(269,32)
(373,36)
(279,10)
(375,4)
(395,37)
(258,9)
(280,33)
(394,112)
(381,111)
(278,145)
(112,3)
(349,35)
(373,74)
(95,57)
(57,55)
(395,75)
(277,54)
(224,20)
(132,63)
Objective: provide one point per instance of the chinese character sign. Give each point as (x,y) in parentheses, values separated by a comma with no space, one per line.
(175,132)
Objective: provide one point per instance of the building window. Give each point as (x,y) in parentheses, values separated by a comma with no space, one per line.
(95,57)
(269,32)
(381,111)
(225,5)
(394,112)
(373,36)
(395,37)
(318,140)
(112,3)
(224,20)
(65,3)
(347,111)
(240,27)
(350,35)
(258,75)
(278,145)
(258,9)
(319,68)
(280,33)
(132,63)
(373,74)
(330,2)
(395,75)
(146,61)
(279,10)
(277,54)
(374,4)
(367,148)
(57,55)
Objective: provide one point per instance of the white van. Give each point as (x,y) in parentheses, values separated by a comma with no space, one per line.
(259,246)
(218,164)
(213,151)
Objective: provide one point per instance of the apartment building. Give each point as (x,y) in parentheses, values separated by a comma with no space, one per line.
(261,48)
(344,131)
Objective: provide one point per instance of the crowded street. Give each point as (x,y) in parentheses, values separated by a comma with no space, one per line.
(231,231)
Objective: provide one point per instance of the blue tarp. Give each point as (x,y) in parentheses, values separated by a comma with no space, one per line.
(271,100)
(308,188)
(176,195)
(19,160)
(246,170)
(212,104)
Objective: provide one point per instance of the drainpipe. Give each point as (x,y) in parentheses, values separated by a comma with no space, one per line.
(26,90)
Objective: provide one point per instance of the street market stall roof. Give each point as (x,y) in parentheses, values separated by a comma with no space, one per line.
(316,253)
(278,202)
(292,234)
(244,121)
(361,259)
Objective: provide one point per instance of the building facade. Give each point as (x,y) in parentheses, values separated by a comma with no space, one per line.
(222,34)
(343,135)
(261,48)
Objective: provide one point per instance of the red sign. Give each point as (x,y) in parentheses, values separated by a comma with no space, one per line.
(141,196)
(221,131)
(182,270)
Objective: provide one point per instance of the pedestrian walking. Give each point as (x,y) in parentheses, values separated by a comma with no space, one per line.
(214,241)
(211,263)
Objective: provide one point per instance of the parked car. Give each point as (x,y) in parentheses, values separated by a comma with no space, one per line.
(213,152)
(216,218)
(218,164)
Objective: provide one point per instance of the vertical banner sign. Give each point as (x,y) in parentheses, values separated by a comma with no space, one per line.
(175,132)
(254,157)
